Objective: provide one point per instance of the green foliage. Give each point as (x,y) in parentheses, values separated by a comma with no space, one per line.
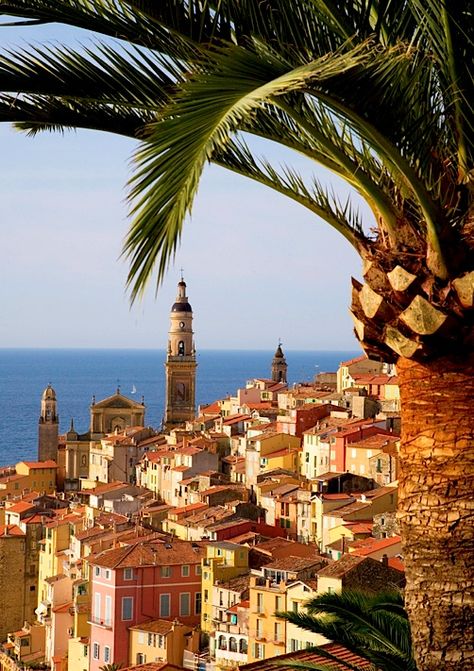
(375,627)
(379,92)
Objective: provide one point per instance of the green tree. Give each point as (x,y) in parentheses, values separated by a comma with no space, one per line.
(375,627)
(380,93)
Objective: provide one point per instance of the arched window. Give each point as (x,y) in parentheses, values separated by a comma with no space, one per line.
(83,460)
(222,643)
(181,348)
(232,644)
(243,646)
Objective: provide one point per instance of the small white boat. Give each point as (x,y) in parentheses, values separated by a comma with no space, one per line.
(134,390)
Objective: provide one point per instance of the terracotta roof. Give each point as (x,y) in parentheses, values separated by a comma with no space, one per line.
(351,508)
(193,507)
(20,507)
(154,666)
(376,442)
(336,497)
(106,487)
(294,563)
(356,359)
(157,626)
(235,419)
(396,563)
(147,553)
(238,584)
(310,657)
(341,567)
(236,606)
(10,530)
(375,545)
(63,608)
(40,464)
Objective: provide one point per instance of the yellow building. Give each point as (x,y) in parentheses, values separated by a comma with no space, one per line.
(51,557)
(12,579)
(267,451)
(161,641)
(298,594)
(41,475)
(223,561)
(267,633)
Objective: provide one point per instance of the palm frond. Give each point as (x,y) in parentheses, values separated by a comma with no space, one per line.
(33,114)
(204,115)
(128,77)
(108,17)
(342,217)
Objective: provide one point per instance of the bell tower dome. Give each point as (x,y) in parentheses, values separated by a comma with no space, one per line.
(48,426)
(279,366)
(180,362)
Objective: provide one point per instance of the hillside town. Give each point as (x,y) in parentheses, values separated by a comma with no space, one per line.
(178,547)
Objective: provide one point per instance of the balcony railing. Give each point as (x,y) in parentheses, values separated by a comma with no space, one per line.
(104,624)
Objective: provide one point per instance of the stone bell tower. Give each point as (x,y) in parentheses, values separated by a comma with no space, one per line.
(279,366)
(180,363)
(48,426)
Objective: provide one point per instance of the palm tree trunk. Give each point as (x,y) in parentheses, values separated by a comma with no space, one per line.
(436,508)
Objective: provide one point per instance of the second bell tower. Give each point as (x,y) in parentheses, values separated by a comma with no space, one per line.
(180,363)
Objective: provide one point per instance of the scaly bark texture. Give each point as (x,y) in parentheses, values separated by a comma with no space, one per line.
(436,509)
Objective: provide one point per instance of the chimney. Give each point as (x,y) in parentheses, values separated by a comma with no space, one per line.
(385,560)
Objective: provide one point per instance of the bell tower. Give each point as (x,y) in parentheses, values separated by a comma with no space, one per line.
(279,366)
(48,426)
(180,362)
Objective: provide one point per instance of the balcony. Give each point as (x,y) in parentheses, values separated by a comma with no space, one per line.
(100,623)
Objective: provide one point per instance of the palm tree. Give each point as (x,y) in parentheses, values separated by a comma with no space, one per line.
(379,92)
(375,627)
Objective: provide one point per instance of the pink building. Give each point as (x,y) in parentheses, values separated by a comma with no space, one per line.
(138,583)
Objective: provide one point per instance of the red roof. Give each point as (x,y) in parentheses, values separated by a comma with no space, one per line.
(375,546)
(10,530)
(40,464)
(310,657)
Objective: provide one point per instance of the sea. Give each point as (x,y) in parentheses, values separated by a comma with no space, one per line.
(78,374)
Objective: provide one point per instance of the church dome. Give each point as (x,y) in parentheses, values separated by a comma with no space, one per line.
(279,353)
(49,394)
(181,307)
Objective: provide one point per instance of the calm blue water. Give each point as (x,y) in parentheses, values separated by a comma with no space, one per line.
(78,374)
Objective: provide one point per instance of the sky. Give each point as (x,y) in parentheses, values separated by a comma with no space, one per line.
(258,267)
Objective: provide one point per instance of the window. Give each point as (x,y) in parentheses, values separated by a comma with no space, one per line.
(259,650)
(141,658)
(258,627)
(222,643)
(184,601)
(141,637)
(243,646)
(107,574)
(259,602)
(206,596)
(150,639)
(95,651)
(232,644)
(198,569)
(108,610)
(164,605)
(185,570)
(277,631)
(165,571)
(128,573)
(127,607)
(295,606)
(96,570)
(277,603)
(97,606)
(85,650)
(106,654)
(293,645)
(197,603)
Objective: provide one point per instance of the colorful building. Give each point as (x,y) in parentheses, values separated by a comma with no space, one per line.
(133,583)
